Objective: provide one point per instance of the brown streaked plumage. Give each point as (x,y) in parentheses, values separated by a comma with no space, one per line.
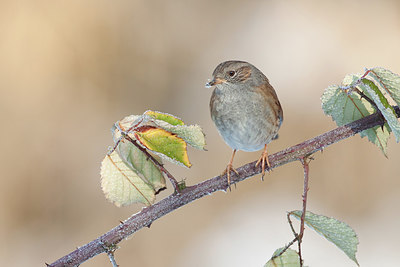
(245,109)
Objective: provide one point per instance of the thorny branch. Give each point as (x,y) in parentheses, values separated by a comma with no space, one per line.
(299,237)
(305,162)
(219,183)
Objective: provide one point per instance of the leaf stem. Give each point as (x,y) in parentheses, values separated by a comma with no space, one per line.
(150,214)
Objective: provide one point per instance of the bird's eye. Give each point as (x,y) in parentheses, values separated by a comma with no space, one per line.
(232,73)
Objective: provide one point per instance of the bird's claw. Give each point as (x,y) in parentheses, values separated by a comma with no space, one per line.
(227,171)
(264,162)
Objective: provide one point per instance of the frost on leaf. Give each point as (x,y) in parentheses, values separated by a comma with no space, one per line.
(168,118)
(163,134)
(383,105)
(389,81)
(346,104)
(131,171)
(164,143)
(289,258)
(191,134)
(139,163)
(337,232)
(123,185)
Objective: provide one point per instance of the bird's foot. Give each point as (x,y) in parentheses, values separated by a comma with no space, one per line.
(227,171)
(264,162)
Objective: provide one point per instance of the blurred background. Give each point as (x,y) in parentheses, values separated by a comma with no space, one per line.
(70,69)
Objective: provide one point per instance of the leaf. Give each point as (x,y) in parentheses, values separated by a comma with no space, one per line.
(128,176)
(178,132)
(346,106)
(163,143)
(135,159)
(389,81)
(191,134)
(289,258)
(168,118)
(122,185)
(378,137)
(386,109)
(125,125)
(337,232)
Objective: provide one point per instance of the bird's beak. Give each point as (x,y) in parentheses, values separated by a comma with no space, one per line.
(215,81)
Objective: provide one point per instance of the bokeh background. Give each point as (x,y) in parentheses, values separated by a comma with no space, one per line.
(70,69)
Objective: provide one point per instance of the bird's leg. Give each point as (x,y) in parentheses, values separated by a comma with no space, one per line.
(230,168)
(263,159)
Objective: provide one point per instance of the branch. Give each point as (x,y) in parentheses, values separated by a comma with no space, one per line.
(219,183)
(305,161)
(299,237)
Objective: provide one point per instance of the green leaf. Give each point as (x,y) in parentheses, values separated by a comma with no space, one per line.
(168,118)
(191,134)
(163,143)
(290,258)
(372,91)
(389,81)
(122,185)
(375,94)
(135,159)
(127,175)
(347,106)
(337,232)
(378,137)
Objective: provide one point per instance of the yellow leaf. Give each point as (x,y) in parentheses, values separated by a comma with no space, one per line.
(163,143)
(165,117)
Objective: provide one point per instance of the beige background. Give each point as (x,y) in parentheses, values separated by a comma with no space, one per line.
(69,69)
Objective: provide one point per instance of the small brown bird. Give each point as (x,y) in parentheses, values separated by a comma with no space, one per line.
(245,109)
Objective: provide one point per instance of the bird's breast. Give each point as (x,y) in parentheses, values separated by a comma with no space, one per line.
(244,119)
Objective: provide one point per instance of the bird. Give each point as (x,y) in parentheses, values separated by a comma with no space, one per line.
(245,109)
